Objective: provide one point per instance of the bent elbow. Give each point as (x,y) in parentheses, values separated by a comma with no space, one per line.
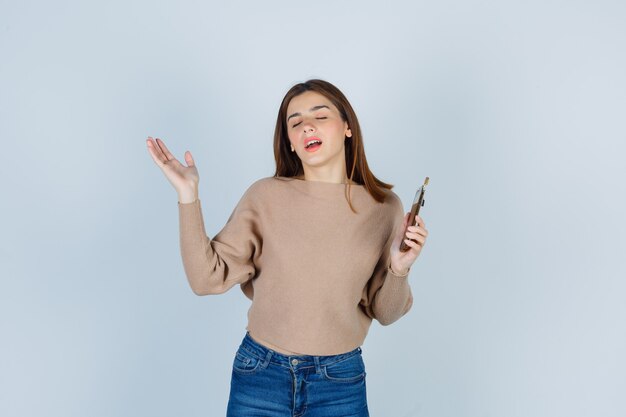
(391,317)
(386,321)
(200,290)
(208,291)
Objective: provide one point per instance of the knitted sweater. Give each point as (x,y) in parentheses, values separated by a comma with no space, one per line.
(317,273)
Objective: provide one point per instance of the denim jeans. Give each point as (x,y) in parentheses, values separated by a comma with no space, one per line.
(267,383)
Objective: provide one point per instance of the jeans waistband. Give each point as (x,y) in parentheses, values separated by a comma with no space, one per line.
(263,353)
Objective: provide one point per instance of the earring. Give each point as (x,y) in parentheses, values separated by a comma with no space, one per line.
(292,149)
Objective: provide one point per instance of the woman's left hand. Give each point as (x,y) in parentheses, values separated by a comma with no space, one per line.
(415,238)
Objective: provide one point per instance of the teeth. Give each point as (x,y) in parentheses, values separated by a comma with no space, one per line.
(312,142)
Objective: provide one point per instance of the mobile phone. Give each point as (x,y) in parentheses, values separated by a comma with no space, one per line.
(418,202)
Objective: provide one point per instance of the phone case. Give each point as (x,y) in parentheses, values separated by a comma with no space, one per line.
(418,202)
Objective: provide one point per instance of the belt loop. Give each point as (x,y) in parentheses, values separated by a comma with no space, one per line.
(267,358)
(318,369)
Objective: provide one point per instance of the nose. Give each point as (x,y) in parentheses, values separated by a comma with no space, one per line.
(308,126)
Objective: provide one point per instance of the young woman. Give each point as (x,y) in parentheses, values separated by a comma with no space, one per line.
(317,252)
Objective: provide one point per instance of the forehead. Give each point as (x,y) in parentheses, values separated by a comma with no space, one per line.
(303,102)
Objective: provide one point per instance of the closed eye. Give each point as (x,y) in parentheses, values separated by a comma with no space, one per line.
(316,118)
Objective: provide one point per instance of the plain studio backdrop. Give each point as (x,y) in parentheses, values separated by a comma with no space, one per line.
(515,110)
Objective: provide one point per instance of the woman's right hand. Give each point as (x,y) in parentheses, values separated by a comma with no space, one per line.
(185,179)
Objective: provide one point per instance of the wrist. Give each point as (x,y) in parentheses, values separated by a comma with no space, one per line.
(186,198)
(403,273)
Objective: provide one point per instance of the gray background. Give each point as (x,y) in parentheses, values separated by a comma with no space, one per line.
(514,109)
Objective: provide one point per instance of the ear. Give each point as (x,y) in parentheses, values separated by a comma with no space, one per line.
(349,133)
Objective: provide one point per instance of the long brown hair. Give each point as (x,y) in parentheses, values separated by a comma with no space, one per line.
(288,164)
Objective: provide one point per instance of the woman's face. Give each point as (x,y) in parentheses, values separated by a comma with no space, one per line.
(310,115)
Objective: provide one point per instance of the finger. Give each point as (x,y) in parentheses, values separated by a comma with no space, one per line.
(412,244)
(166,151)
(155,147)
(420,221)
(421,231)
(421,239)
(156,153)
(189,159)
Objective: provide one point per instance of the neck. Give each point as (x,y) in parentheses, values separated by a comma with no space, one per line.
(345,181)
(335,175)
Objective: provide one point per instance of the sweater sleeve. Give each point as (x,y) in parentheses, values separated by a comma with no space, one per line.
(213,266)
(387,296)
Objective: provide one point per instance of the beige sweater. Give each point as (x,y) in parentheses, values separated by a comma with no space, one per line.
(316,272)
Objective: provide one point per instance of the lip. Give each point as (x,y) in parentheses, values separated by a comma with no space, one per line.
(306,140)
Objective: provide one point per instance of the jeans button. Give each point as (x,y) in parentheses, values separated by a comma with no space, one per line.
(294,361)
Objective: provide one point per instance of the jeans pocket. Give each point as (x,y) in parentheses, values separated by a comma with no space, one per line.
(350,369)
(245,362)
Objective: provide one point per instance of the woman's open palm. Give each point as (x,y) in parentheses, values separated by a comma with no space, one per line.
(183,178)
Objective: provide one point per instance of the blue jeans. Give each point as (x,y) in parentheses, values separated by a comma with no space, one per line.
(267,383)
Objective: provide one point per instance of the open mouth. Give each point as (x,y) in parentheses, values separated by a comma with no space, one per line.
(312,144)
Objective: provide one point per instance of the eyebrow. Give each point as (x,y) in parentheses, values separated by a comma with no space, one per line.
(321,106)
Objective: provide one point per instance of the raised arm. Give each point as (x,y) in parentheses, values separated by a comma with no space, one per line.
(213,265)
